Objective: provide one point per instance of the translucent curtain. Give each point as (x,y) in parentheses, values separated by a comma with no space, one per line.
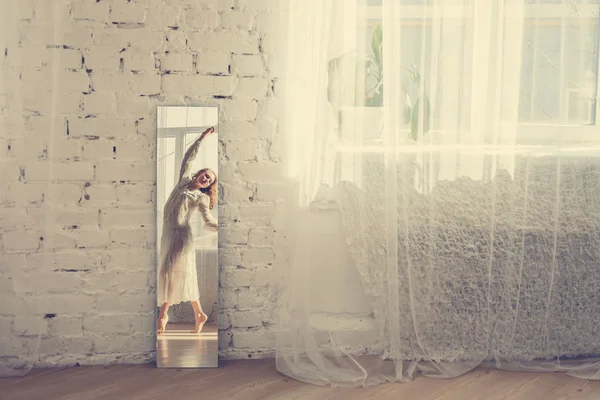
(459,229)
(317,39)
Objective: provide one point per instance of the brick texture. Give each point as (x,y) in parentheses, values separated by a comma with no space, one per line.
(81,80)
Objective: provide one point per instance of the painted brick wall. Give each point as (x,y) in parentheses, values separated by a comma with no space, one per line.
(80,83)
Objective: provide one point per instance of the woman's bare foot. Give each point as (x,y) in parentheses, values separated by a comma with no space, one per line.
(163,318)
(200,321)
(162,324)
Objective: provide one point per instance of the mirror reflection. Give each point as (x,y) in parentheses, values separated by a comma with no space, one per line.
(187,215)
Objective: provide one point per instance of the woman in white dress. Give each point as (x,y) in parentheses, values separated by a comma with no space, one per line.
(177,277)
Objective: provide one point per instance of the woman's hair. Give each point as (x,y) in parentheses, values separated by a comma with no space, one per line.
(212,190)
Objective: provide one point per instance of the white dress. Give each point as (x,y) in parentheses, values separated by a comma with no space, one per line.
(177,275)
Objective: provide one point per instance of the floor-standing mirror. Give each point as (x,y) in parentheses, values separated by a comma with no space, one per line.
(187,237)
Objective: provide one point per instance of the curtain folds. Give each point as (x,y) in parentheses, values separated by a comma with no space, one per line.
(448,208)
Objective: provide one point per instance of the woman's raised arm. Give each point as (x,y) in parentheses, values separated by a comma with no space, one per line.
(191,154)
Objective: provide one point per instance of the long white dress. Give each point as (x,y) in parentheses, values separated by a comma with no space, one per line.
(177,275)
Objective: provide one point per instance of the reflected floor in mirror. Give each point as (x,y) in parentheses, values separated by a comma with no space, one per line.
(178,347)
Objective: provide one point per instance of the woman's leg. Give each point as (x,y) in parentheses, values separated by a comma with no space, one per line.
(199,316)
(166,285)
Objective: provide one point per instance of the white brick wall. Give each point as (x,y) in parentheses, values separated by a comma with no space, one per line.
(80,83)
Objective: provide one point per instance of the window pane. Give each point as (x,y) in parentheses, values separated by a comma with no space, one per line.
(559,70)
(166,175)
(169,165)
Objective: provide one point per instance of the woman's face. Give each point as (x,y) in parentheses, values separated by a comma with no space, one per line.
(203,179)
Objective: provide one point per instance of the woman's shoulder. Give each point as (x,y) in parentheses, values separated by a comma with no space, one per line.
(197,195)
(203,197)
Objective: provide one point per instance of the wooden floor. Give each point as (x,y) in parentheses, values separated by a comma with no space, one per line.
(249,379)
(179,348)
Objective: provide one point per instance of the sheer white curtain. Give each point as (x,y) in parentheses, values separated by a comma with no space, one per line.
(447,157)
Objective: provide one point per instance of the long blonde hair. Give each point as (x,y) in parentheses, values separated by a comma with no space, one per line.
(212,190)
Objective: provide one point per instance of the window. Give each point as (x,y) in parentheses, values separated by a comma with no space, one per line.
(555,80)
(559,66)
(504,77)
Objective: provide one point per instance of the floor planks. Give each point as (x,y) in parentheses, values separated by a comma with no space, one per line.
(258,379)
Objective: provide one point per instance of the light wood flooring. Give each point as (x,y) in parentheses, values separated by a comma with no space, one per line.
(258,379)
(179,348)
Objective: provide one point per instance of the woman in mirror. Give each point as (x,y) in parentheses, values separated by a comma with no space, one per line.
(177,277)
